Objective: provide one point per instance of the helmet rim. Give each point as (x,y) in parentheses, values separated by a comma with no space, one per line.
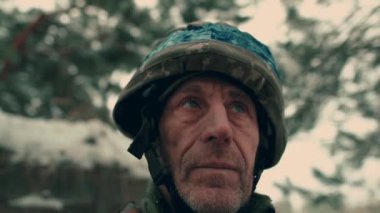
(211,56)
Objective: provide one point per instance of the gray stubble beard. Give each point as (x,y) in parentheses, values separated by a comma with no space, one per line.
(219,203)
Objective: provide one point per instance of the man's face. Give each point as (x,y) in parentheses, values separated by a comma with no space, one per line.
(209,136)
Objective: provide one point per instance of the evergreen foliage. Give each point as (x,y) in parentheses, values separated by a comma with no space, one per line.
(59,64)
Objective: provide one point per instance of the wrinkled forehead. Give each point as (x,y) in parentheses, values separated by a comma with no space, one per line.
(206,85)
(202,83)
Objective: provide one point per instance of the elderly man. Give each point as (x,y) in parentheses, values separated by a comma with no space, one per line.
(206,110)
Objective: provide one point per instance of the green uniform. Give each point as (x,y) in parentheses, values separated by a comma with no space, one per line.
(217,50)
(154,202)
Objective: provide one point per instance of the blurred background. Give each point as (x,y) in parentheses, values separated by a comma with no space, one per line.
(62,64)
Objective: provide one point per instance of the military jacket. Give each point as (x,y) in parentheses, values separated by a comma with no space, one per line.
(154,202)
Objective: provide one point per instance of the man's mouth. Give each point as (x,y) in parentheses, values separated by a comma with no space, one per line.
(216,166)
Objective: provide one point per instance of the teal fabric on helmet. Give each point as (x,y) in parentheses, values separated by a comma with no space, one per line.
(220,32)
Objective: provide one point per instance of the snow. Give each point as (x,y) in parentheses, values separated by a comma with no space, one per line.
(41,141)
(86,144)
(37,201)
(51,142)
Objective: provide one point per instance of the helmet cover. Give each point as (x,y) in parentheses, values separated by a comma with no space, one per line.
(208,48)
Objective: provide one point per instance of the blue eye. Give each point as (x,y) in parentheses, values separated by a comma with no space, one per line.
(191,104)
(237,107)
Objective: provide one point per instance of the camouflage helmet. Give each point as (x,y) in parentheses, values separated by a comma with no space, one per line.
(207,48)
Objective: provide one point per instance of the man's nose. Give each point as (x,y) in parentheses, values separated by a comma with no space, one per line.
(217,126)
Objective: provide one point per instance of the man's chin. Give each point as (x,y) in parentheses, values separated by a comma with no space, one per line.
(213,199)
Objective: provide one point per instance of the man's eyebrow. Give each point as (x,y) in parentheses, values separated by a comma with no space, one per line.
(237,94)
(197,89)
(191,89)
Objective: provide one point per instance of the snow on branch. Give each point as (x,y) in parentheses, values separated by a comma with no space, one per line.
(53,142)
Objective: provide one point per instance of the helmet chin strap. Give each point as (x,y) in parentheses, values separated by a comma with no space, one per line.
(146,143)
(258,170)
(158,170)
